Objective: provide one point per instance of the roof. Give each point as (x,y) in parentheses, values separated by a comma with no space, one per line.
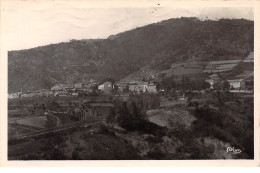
(234,80)
(151,84)
(213,76)
(138,83)
(243,76)
(58,87)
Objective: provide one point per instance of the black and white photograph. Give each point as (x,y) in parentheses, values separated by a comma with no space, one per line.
(129,83)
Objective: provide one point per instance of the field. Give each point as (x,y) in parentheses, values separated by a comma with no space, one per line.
(185,68)
(221,66)
(18,130)
(37,122)
(170,117)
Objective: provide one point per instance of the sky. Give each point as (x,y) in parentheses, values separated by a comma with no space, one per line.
(29,25)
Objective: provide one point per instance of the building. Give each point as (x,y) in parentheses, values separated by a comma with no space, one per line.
(151,88)
(242,83)
(78,85)
(106,87)
(60,93)
(28,95)
(14,95)
(121,86)
(101,87)
(138,86)
(237,83)
(58,87)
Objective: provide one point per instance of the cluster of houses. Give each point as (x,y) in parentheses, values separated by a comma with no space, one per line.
(241,82)
(89,88)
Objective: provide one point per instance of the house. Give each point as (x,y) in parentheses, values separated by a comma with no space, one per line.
(14,95)
(151,88)
(60,93)
(58,87)
(236,83)
(101,87)
(106,87)
(242,83)
(28,95)
(137,86)
(121,86)
(68,87)
(78,85)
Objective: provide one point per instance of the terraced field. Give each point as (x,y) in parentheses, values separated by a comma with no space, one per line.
(221,66)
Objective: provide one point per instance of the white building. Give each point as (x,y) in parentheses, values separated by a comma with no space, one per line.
(101,87)
(14,95)
(236,83)
(239,83)
(138,86)
(78,85)
(58,87)
(151,88)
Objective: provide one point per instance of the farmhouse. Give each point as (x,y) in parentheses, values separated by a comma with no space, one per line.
(60,93)
(151,88)
(242,83)
(236,83)
(58,87)
(121,86)
(78,85)
(14,95)
(138,86)
(101,87)
(106,87)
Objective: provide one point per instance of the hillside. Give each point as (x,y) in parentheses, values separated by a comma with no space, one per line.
(154,47)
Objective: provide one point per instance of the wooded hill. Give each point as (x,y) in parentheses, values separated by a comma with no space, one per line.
(156,46)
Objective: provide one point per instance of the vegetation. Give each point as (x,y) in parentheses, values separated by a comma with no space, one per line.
(169,84)
(131,114)
(156,45)
(52,121)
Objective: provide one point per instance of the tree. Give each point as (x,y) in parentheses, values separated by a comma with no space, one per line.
(217,86)
(225,85)
(51,121)
(111,118)
(174,95)
(115,89)
(205,85)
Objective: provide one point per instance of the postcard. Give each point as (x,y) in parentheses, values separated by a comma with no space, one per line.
(126,83)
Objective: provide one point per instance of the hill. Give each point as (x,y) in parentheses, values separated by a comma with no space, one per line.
(154,47)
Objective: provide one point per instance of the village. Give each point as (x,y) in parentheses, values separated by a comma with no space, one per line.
(65,108)
(90,88)
(241,84)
